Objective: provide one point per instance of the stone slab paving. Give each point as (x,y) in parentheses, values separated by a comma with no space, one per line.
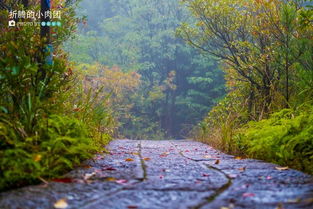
(168,174)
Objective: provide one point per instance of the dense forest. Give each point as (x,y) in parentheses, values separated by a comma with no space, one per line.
(236,74)
(178,84)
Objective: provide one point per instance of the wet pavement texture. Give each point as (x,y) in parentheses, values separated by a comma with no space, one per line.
(168,174)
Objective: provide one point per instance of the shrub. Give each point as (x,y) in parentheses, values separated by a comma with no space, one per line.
(59,143)
(285,138)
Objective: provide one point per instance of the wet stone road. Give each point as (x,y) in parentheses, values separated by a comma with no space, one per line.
(169,175)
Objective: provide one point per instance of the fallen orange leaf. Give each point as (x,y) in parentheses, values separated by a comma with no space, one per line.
(110,179)
(147,158)
(61,204)
(129,159)
(238,158)
(217,162)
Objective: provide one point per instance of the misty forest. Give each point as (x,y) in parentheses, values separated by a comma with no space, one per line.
(234,74)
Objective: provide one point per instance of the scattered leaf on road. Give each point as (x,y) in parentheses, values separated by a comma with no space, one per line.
(129,159)
(205,175)
(164,154)
(63,180)
(89,175)
(110,179)
(232,176)
(147,159)
(238,158)
(109,169)
(61,204)
(121,181)
(217,162)
(248,194)
(294,200)
(132,207)
(282,168)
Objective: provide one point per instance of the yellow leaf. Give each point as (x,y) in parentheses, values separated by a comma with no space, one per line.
(238,158)
(282,168)
(61,204)
(37,158)
(110,179)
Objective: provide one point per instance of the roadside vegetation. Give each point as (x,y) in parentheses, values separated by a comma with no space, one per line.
(266,51)
(51,116)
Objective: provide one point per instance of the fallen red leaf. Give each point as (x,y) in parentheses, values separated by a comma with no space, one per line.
(205,174)
(63,180)
(248,194)
(109,169)
(132,206)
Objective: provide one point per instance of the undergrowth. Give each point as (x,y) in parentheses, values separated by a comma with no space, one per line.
(286,138)
(49,121)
